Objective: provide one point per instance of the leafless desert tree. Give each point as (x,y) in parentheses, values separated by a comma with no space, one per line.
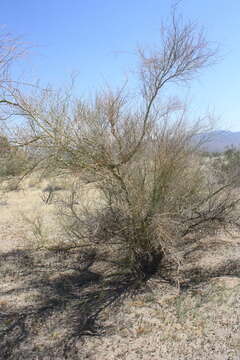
(140,155)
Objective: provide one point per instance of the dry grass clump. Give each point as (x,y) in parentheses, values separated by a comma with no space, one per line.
(26,220)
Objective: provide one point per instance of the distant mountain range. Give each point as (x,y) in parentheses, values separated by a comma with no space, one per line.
(219,140)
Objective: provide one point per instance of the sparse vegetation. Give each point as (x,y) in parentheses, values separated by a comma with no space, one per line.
(231,164)
(143,205)
(139,156)
(13,162)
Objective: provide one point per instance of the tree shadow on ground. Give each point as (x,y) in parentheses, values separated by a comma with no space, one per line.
(198,275)
(64,299)
(51,300)
(192,272)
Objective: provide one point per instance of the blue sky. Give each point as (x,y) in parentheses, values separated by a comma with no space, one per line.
(97,38)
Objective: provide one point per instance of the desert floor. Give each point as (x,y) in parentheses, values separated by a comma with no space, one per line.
(58,304)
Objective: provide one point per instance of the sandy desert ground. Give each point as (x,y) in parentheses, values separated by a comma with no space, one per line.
(54,305)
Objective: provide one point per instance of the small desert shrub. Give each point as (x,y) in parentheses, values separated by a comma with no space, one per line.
(44,230)
(231,164)
(227,166)
(37,228)
(48,193)
(13,161)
